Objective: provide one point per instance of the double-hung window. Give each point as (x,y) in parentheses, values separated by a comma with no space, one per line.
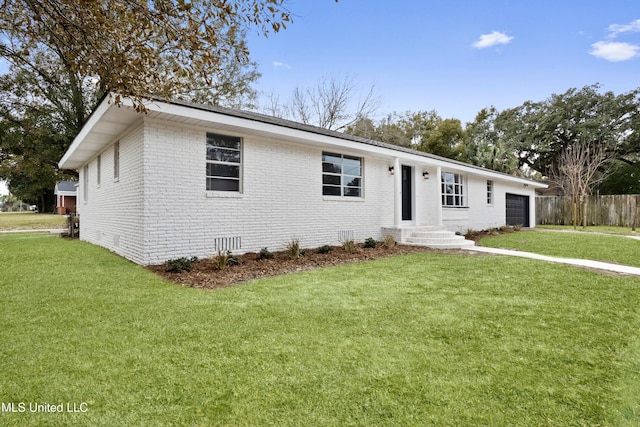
(341,175)
(489,192)
(224,161)
(453,193)
(116,161)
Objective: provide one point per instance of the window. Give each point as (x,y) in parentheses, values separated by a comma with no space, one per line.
(341,175)
(452,190)
(224,159)
(85,183)
(98,167)
(489,192)
(116,161)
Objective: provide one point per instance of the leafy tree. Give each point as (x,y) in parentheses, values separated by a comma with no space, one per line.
(486,146)
(126,45)
(540,131)
(422,130)
(64,55)
(623,178)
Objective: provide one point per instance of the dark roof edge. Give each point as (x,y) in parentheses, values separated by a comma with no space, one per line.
(263,118)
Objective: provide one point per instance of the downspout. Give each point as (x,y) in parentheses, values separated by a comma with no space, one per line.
(397,189)
(439,196)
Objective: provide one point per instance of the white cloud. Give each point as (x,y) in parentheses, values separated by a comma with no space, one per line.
(616,29)
(492,39)
(615,51)
(278,64)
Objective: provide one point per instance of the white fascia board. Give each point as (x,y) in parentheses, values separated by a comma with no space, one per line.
(242,125)
(328,142)
(86,129)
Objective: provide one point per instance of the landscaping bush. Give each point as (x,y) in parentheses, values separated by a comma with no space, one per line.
(225,259)
(389,242)
(326,249)
(350,246)
(293,249)
(370,243)
(265,254)
(178,265)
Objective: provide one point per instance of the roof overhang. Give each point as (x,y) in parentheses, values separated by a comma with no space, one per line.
(109,121)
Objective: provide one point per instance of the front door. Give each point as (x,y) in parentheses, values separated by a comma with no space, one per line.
(407,207)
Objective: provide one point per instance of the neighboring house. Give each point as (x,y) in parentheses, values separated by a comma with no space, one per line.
(189,180)
(65,193)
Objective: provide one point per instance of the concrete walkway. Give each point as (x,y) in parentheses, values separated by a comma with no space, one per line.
(36,230)
(616,268)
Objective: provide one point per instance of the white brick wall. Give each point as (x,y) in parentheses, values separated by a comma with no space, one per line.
(112,215)
(159,208)
(281,198)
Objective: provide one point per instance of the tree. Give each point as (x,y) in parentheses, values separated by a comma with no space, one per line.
(541,131)
(623,178)
(64,55)
(126,44)
(423,130)
(486,147)
(578,169)
(330,104)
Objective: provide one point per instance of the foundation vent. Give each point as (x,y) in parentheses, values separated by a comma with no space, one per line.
(227,243)
(345,235)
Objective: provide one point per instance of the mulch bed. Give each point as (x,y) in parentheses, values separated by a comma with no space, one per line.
(204,273)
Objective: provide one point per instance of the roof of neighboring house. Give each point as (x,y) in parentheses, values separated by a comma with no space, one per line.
(108,121)
(65,187)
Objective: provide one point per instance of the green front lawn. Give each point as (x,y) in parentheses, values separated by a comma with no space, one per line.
(423,339)
(30,221)
(599,247)
(609,229)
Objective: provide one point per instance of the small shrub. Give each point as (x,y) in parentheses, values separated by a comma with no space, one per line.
(225,259)
(326,249)
(293,249)
(178,265)
(232,260)
(350,246)
(517,227)
(370,243)
(389,242)
(471,234)
(265,254)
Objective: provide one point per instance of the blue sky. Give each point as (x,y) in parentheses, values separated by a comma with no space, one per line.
(455,57)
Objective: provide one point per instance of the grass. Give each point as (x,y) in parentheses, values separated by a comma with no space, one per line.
(599,247)
(30,221)
(423,339)
(608,229)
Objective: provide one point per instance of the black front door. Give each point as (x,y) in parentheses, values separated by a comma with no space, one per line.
(407,207)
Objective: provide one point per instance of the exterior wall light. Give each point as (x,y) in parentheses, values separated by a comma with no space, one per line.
(425,175)
(391,170)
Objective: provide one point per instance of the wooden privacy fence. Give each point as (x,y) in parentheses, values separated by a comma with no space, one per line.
(620,210)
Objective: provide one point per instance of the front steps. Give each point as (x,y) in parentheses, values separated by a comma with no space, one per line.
(435,237)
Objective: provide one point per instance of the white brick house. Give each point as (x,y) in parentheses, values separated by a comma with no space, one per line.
(187,180)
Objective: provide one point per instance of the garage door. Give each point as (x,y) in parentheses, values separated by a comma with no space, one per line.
(517,210)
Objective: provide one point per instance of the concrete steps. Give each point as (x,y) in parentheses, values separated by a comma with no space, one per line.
(437,238)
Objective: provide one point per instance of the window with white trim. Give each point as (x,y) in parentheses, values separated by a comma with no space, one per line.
(341,175)
(99,170)
(224,162)
(489,192)
(85,183)
(116,161)
(453,193)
